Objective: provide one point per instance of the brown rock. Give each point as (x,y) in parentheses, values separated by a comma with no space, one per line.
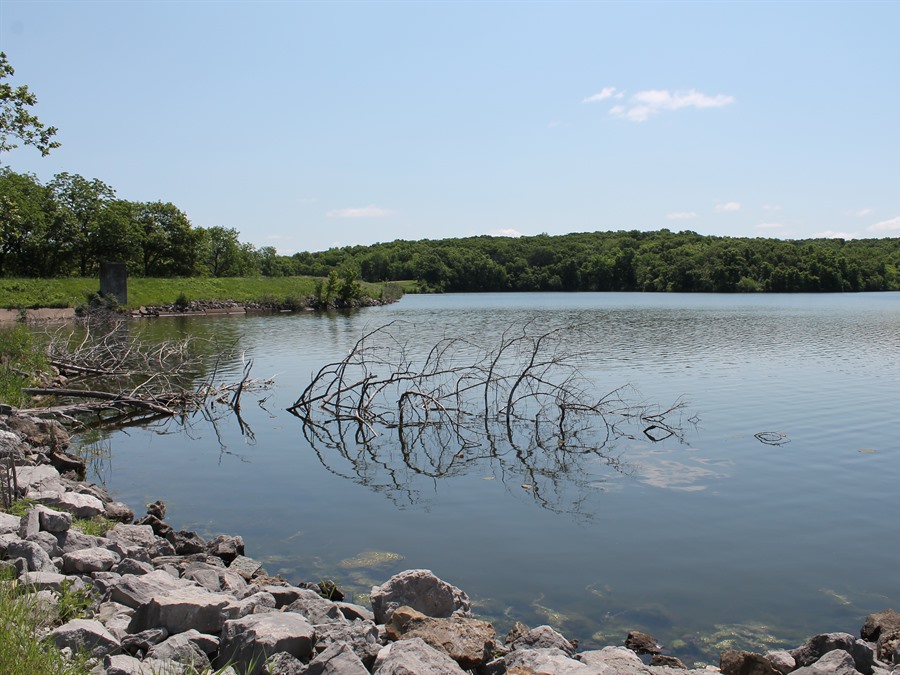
(641,643)
(878,622)
(469,642)
(734,662)
(670,661)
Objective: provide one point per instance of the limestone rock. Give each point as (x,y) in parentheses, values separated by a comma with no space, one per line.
(134,591)
(543,637)
(119,512)
(781,660)
(337,659)
(469,642)
(735,662)
(817,646)
(546,660)
(249,641)
(36,558)
(89,560)
(315,608)
(79,505)
(283,663)
(182,649)
(85,635)
(132,535)
(144,641)
(9,523)
(352,612)
(123,664)
(613,661)
(226,547)
(835,662)
(132,566)
(52,520)
(245,567)
(421,590)
(50,581)
(360,636)
(414,656)
(182,609)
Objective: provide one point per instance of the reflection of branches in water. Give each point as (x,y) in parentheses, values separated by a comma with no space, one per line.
(523,407)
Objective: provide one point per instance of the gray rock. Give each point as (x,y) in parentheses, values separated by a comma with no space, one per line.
(186,542)
(352,611)
(9,524)
(414,656)
(182,649)
(258,603)
(134,591)
(115,617)
(89,560)
(143,642)
(182,609)
(421,590)
(817,646)
(315,608)
(613,661)
(546,660)
(132,535)
(30,523)
(361,636)
(46,541)
(41,478)
(543,637)
(245,567)
(36,558)
(132,566)
(81,506)
(249,641)
(85,635)
(284,664)
(284,595)
(50,581)
(225,547)
(835,662)
(52,520)
(214,578)
(120,512)
(123,664)
(470,642)
(337,659)
(73,540)
(781,660)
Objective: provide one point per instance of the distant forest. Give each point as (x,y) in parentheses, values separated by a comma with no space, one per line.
(71,224)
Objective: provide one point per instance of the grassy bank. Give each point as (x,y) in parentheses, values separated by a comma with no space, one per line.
(71,292)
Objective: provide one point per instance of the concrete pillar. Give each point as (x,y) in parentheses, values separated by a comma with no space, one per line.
(114,281)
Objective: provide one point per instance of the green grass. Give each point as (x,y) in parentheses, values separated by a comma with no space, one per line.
(71,292)
(20,361)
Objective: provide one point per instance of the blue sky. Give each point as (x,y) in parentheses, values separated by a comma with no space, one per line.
(311,125)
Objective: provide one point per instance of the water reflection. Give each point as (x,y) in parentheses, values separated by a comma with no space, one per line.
(393,417)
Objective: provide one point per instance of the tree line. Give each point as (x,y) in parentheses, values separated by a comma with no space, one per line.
(71,224)
(623,261)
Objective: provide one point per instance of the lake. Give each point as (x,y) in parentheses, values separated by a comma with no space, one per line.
(770,515)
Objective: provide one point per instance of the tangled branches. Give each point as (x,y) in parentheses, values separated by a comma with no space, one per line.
(524,404)
(115,374)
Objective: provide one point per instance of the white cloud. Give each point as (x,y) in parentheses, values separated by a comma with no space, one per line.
(769,226)
(602,95)
(862,213)
(507,232)
(832,234)
(370,211)
(645,104)
(728,206)
(892,225)
(681,215)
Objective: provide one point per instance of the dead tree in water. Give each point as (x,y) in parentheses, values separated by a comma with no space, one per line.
(524,402)
(108,373)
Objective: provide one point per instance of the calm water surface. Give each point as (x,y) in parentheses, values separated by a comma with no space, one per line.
(706,541)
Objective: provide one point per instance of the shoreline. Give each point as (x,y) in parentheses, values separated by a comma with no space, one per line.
(163,597)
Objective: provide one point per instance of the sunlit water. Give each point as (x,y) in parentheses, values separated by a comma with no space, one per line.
(708,541)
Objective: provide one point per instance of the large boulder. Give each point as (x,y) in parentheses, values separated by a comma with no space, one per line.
(337,659)
(85,635)
(9,524)
(249,641)
(835,662)
(883,628)
(735,662)
(360,636)
(546,660)
(137,590)
(469,642)
(132,535)
(817,646)
(421,590)
(613,661)
(36,558)
(315,608)
(182,649)
(543,637)
(414,656)
(182,609)
(89,560)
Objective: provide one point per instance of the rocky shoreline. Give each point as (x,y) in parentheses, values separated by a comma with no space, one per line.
(225,307)
(167,602)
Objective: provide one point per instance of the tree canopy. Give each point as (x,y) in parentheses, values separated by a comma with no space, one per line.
(17,123)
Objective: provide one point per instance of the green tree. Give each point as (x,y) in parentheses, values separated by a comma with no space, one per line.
(16,120)
(168,244)
(82,201)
